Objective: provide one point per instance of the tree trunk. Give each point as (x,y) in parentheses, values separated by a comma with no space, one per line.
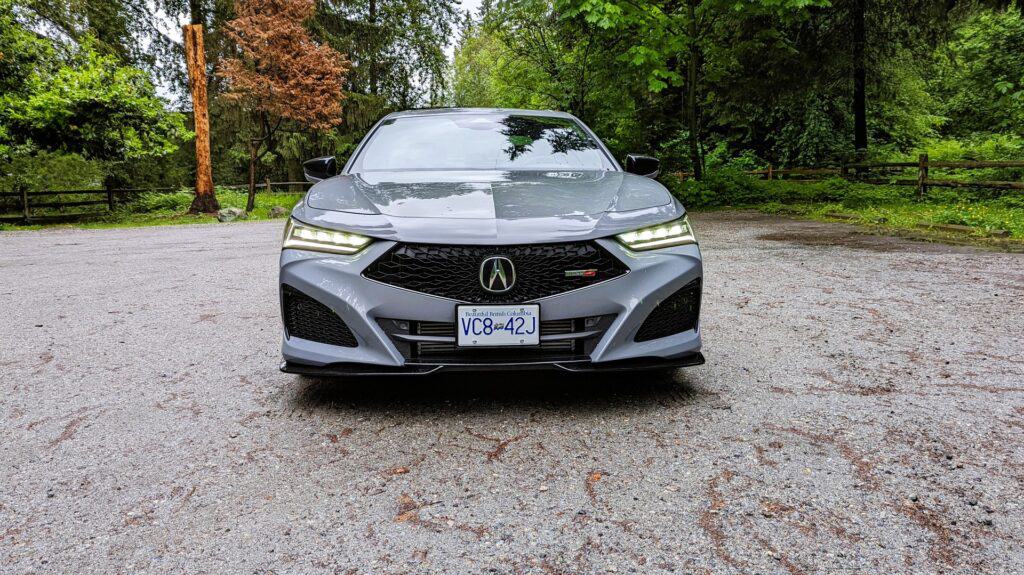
(205,200)
(691,95)
(860,120)
(254,146)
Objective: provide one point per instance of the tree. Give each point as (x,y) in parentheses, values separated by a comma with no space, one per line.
(666,33)
(77,100)
(981,74)
(399,46)
(280,74)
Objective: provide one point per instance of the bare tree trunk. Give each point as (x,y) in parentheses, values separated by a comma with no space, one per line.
(205,200)
(253,149)
(860,120)
(691,94)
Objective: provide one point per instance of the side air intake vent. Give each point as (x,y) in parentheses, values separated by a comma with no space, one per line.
(675,314)
(306,318)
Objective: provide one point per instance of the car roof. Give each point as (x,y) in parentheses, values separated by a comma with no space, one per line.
(450,111)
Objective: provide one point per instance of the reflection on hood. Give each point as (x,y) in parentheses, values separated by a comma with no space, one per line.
(487,194)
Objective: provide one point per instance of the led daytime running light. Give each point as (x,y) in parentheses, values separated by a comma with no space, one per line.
(303,237)
(674,233)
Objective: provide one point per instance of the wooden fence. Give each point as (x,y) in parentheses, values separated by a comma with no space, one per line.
(107,200)
(860,172)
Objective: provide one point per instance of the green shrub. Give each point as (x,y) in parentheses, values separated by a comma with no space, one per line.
(723,187)
(732,187)
(156,202)
(867,195)
(982,216)
(1011,201)
(51,171)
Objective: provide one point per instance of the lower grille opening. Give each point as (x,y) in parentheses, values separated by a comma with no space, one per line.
(677,313)
(306,318)
(404,334)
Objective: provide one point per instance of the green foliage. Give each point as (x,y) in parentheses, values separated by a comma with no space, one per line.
(981,72)
(525,55)
(653,35)
(723,187)
(774,78)
(51,171)
(77,100)
(975,147)
(856,197)
(161,203)
(90,105)
(730,186)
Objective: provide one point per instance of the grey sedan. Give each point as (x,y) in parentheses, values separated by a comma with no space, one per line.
(487,239)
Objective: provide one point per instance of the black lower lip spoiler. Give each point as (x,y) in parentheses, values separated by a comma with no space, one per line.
(581,366)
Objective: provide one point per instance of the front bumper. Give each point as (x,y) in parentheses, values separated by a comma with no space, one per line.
(367,307)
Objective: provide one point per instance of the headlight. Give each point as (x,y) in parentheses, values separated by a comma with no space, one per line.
(304,237)
(674,233)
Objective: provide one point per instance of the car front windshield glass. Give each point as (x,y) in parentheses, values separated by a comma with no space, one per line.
(481,142)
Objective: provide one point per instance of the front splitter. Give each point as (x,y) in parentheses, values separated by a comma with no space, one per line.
(412,368)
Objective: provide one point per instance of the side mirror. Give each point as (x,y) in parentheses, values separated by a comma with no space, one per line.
(320,168)
(643,165)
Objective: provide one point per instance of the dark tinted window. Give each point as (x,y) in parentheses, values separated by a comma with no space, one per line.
(480,142)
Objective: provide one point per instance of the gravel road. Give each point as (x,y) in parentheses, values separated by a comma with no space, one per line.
(861,411)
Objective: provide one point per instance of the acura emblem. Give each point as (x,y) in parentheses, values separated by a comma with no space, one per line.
(497,274)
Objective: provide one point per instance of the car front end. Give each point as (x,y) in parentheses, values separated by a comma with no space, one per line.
(410,272)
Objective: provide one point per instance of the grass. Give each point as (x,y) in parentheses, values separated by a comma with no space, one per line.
(907,217)
(894,208)
(160,209)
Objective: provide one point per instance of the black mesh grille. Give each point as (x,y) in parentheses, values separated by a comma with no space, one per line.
(306,318)
(454,271)
(585,334)
(675,314)
(566,347)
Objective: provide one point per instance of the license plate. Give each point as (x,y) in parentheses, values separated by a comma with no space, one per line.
(497,325)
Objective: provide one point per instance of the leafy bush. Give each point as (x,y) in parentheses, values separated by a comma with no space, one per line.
(867,196)
(161,203)
(51,171)
(732,187)
(981,216)
(723,187)
(1013,201)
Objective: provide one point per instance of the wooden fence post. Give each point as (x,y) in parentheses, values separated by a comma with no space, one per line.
(110,197)
(24,202)
(769,172)
(922,176)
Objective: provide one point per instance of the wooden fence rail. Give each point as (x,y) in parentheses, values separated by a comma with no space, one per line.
(858,172)
(110,199)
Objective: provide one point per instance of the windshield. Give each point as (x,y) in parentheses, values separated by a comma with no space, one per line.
(480,142)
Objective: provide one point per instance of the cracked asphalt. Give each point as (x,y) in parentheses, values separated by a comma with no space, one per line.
(861,411)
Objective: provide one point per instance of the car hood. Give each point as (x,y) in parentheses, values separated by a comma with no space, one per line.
(493,207)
